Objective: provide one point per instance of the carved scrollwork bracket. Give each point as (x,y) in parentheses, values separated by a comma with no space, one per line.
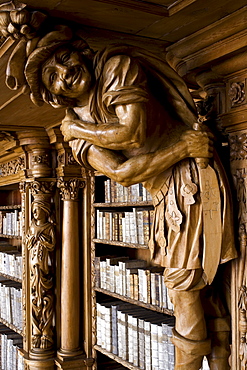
(69,190)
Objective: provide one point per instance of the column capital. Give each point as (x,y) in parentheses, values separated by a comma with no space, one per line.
(69,190)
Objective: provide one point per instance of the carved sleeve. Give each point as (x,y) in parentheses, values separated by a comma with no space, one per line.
(123,82)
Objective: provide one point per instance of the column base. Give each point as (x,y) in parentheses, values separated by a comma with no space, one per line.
(48,364)
(41,354)
(76,363)
(65,354)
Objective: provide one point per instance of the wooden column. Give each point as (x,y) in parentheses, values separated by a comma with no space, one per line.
(70,267)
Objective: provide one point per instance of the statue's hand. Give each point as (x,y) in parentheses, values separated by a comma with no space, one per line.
(199,144)
(67,123)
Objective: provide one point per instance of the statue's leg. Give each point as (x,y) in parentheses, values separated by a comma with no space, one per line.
(218,321)
(218,326)
(190,334)
(189,353)
(219,333)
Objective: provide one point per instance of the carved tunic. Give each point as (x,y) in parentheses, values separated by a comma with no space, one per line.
(137,77)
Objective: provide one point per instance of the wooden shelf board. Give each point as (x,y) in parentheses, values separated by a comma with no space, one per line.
(15,206)
(120,244)
(12,278)
(11,326)
(123,204)
(116,358)
(135,302)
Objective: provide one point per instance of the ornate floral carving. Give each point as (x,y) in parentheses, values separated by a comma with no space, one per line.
(41,159)
(40,242)
(70,189)
(240,184)
(238,147)
(237,93)
(12,167)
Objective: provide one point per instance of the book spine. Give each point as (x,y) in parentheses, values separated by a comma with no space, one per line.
(135,340)
(114,330)
(154,346)
(147,339)
(130,339)
(141,344)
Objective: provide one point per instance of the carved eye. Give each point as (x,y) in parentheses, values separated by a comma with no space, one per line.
(65,57)
(52,77)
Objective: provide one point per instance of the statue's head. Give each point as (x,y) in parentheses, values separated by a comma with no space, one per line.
(59,70)
(40,210)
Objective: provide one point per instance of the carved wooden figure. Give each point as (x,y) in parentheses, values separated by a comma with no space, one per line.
(40,241)
(131,117)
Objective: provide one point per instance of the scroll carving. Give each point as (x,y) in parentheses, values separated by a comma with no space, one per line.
(40,242)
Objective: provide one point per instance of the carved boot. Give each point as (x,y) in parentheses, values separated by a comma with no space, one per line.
(189,353)
(219,330)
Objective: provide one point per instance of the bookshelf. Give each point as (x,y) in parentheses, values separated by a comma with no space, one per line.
(131,308)
(11,324)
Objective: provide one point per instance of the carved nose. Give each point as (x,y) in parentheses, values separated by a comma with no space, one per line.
(63,71)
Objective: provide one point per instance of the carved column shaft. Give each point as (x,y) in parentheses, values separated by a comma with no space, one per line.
(70,278)
(70,297)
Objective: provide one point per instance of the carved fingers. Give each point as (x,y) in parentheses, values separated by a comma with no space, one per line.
(199,144)
(67,122)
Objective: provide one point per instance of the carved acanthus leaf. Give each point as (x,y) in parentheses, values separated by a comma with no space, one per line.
(70,189)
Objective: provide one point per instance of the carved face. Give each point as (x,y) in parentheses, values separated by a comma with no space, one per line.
(65,73)
(38,213)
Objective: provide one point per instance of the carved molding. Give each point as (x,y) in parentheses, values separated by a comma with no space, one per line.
(12,167)
(69,190)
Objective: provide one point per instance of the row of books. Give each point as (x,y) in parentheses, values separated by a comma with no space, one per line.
(11,358)
(128,227)
(137,335)
(11,303)
(132,279)
(117,193)
(10,223)
(11,263)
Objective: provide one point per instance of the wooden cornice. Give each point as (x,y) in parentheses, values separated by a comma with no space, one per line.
(211,44)
(151,7)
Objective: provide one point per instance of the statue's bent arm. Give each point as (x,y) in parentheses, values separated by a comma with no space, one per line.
(129,131)
(142,167)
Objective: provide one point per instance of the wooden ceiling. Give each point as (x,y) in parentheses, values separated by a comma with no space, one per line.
(154,24)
